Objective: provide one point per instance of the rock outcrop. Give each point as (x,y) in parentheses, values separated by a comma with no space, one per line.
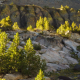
(28,15)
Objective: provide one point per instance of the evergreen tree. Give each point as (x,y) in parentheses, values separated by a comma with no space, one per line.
(3,42)
(3,47)
(13,54)
(40,75)
(46,24)
(33,62)
(39,23)
(29,46)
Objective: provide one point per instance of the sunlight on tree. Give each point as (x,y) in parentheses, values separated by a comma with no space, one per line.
(40,75)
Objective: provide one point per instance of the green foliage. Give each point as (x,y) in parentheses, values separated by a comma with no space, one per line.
(64,29)
(33,62)
(46,24)
(13,59)
(40,75)
(64,7)
(6,22)
(29,28)
(29,46)
(3,42)
(15,26)
(42,23)
(37,46)
(39,23)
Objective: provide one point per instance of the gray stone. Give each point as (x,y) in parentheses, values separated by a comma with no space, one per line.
(12,76)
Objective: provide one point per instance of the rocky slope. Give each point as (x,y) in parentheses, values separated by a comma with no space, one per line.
(55,49)
(28,15)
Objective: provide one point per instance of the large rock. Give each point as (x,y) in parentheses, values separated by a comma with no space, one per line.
(55,67)
(64,78)
(12,76)
(71,44)
(75,37)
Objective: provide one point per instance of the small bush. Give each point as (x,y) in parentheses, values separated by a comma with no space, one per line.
(29,28)
(6,23)
(37,46)
(15,26)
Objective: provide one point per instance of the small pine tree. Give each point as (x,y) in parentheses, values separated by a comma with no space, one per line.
(29,46)
(3,42)
(40,75)
(15,26)
(39,23)
(3,47)
(13,54)
(46,24)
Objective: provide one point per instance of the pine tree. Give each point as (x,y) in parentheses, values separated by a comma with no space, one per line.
(13,54)
(29,46)
(3,47)
(3,42)
(39,23)
(46,24)
(40,75)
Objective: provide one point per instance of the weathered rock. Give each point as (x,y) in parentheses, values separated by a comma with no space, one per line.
(12,76)
(75,37)
(64,78)
(67,51)
(55,67)
(71,44)
(47,78)
(42,46)
(71,60)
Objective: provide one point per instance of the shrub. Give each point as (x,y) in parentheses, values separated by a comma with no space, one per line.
(29,28)
(15,26)
(64,29)
(6,23)
(37,46)
(40,75)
